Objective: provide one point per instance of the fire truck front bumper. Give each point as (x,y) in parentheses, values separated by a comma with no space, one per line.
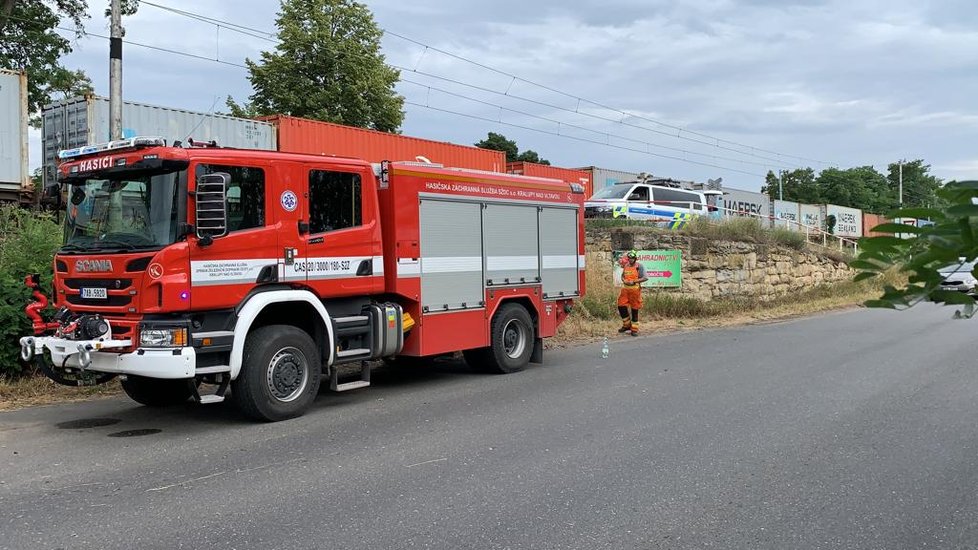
(98,355)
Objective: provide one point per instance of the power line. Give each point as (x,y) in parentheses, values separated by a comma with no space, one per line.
(560,124)
(84,33)
(773,161)
(516,78)
(467,115)
(714,141)
(248,31)
(160,49)
(477,117)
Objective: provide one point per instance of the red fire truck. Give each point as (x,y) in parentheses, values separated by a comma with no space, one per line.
(195,270)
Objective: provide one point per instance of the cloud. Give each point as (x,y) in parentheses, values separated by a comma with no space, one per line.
(964,169)
(850,83)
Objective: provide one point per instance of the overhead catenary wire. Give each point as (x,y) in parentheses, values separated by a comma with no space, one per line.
(772,162)
(561,123)
(679,131)
(607,135)
(577,138)
(467,115)
(248,31)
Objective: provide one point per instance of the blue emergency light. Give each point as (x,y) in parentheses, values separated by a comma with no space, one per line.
(130,143)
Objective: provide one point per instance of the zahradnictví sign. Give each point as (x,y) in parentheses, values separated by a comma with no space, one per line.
(662,267)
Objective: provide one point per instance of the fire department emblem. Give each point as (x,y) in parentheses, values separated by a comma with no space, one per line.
(289,201)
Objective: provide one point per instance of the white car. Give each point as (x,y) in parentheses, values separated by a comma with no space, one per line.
(645,201)
(959,277)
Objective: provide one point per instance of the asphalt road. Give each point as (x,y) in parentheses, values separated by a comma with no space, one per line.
(850,430)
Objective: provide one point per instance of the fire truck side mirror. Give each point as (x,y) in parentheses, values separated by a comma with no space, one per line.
(212,207)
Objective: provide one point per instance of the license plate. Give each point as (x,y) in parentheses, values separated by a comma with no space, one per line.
(94,293)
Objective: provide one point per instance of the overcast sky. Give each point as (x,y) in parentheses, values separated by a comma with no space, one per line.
(844,82)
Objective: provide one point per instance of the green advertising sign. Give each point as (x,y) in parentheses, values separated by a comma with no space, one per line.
(662,267)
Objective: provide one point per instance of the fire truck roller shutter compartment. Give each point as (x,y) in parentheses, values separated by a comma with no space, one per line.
(512,245)
(558,248)
(451,255)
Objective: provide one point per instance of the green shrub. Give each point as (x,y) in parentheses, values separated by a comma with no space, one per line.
(28,241)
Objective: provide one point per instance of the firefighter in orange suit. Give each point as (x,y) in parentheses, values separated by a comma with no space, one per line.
(632,277)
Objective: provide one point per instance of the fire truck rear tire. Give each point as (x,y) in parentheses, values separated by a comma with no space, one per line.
(280,374)
(511,342)
(154,392)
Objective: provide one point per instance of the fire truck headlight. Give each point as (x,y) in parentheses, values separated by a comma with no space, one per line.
(163,337)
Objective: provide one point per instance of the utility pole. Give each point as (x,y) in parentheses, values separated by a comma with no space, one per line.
(115,71)
(901,183)
(780,185)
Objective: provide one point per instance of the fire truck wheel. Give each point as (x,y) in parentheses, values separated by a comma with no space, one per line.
(511,344)
(155,392)
(280,373)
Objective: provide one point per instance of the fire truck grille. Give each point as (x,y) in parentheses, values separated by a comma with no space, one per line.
(111,301)
(111,284)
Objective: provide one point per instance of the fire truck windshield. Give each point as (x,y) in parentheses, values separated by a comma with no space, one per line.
(137,210)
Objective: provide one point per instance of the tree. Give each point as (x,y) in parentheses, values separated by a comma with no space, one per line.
(327,66)
(861,187)
(531,156)
(29,42)
(952,240)
(797,185)
(919,187)
(498,142)
(69,83)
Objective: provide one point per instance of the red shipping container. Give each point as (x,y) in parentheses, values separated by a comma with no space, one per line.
(300,135)
(544,171)
(870,221)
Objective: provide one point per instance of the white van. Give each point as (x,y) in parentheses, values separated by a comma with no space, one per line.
(642,201)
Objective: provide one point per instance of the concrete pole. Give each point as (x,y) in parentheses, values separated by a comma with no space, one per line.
(115,71)
(901,183)
(780,185)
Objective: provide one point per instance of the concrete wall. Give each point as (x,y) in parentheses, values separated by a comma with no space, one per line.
(722,269)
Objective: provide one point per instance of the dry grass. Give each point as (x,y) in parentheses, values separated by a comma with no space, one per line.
(730,229)
(596,316)
(29,391)
(744,230)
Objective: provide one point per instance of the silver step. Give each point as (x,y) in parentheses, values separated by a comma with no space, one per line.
(355,385)
(363,382)
(213,370)
(352,353)
(211,399)
(351,319)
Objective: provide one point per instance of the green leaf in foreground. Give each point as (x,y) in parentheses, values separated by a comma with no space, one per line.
(949,243)
(895,228)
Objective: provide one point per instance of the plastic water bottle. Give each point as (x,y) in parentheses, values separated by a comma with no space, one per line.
(604,349)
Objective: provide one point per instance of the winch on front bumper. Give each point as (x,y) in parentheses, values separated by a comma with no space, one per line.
(71,356)
(82,350)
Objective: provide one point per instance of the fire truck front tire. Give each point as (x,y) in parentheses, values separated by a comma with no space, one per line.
(280,374)
(511,342)
(155,392)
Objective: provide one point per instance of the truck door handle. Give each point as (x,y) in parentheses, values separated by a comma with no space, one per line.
(366,268)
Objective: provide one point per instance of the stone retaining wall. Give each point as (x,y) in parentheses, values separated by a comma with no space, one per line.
(712,269)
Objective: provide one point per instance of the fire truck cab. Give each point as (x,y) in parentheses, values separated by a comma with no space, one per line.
(263,272)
